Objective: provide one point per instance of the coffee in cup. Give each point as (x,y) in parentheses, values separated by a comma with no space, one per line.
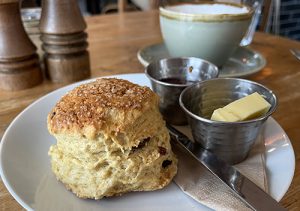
(211,31)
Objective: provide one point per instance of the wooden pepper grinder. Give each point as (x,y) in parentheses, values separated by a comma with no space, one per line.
(64,41)
(19,63)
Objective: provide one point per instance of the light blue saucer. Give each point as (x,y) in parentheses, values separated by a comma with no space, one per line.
(242,63)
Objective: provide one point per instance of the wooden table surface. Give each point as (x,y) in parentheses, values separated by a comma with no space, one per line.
(114,42)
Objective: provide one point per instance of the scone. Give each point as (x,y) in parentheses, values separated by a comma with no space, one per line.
(111,139)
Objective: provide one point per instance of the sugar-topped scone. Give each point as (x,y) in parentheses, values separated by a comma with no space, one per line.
(111,139)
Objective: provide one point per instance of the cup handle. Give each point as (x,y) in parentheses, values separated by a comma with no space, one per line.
(254,22)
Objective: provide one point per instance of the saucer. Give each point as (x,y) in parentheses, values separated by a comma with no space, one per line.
(243,62)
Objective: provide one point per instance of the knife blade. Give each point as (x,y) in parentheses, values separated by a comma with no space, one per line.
(253,196)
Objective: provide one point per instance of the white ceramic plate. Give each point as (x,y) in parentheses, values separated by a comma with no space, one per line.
(242,63)
(25,166)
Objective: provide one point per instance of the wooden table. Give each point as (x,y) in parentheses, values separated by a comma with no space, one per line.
(114,42)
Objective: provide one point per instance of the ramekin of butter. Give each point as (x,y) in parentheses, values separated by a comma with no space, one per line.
(227,114)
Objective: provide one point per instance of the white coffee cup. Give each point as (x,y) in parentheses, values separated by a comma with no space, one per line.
(211,31)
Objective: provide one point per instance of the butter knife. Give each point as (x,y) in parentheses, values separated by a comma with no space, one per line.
(253,196)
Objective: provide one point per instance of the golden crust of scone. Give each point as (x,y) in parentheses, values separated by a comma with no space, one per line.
(106,104)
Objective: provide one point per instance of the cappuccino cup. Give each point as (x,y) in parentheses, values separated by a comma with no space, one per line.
(210,31)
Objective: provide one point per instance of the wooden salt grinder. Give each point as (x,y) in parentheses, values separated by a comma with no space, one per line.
(64,41)
(19,63)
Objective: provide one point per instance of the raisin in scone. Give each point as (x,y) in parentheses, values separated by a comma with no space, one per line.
(111,139)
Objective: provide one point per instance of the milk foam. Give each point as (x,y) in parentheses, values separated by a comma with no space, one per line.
(214,9)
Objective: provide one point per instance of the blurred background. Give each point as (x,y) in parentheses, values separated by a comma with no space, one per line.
(279,17)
